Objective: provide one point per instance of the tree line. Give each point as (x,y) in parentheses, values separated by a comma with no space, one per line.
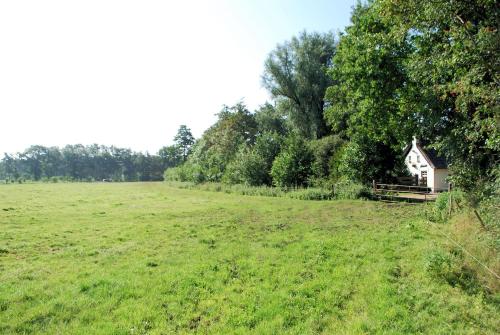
(344,107)
(94,162)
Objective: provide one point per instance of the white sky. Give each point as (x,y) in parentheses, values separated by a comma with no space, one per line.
(128,73)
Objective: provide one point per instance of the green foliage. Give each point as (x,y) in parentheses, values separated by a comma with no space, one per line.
(85,163)
(248,167)
(219,145)
(444,205)
(455,62)
(441,207)
(369,79)
(350,190)
(311,194)
(424,68)
(270,120)
(171,156)
(438,264)
(296,75)
(184,140)
(292,167)
(489,206)
(186,172)
(363,160)
(325,151)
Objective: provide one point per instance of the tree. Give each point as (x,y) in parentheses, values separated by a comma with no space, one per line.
(270,120)
(10,167)
(423,68)
(455,61)
(171,156)
(296,75)
(218,146)
(184,140)
(325,151)
(248,167)
(292,167)
(370,81)
(364,159)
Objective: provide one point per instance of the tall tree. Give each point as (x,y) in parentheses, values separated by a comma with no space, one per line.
(456,62)
(184,140)
(370,80)
(296,76)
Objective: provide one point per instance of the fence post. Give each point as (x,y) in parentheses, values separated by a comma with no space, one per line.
(450,200)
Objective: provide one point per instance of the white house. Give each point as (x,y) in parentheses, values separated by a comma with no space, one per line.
(429,169)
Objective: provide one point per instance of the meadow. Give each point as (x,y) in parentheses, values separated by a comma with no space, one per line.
(149,258)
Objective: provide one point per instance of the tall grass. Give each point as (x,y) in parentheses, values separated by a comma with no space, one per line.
(472,253)
(346,190)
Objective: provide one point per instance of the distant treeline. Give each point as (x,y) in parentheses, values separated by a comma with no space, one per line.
(93,162)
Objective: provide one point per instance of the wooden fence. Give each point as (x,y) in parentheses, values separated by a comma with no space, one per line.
(403,192)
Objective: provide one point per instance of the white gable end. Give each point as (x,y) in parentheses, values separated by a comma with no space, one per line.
(419,165)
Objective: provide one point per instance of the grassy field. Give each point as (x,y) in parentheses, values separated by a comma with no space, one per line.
(146,258)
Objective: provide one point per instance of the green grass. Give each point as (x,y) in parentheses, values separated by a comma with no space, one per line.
(137,258)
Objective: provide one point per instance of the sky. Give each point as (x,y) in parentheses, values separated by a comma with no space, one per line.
(129,73)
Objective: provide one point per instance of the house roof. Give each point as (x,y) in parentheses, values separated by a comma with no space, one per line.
(431,155)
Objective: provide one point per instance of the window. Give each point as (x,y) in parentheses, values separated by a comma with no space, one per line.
(418,158)
(423,175)
(409,159)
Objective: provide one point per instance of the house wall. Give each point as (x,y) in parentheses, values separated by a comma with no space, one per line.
(416,168)
(440,183)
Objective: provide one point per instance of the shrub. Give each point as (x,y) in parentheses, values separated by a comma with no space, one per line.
(489,206)
(311,194)
(292,167)
(363,160)
(325,151)
(350,190)
(184,173)
(248,168)
(438,264)
(442,204)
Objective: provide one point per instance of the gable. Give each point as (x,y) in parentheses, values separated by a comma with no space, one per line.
(418,156)
(430,156)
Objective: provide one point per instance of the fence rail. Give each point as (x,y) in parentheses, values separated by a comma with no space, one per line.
(403,192)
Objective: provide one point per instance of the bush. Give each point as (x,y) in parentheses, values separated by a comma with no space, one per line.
(184,173)
(364,160)
(350,190)
(489,206)
(311,194)
(247,168)
(438,264)
(325,152)
(292,167)
(442,209)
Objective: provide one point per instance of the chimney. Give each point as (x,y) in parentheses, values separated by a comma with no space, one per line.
(414,141)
